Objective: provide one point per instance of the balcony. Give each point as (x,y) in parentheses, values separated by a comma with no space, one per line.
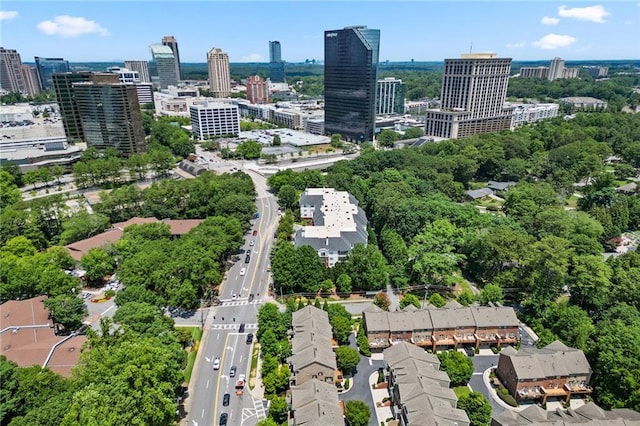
(581,387)
(530,393)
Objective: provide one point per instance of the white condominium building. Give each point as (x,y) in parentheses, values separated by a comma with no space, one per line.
(214,119)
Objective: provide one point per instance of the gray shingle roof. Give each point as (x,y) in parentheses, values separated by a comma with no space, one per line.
(499,186)
(487,316)
(376,321)
(588,414)
(452,318)
(403,350)
(322,355)
(313,390)
(555,359)
(479,193)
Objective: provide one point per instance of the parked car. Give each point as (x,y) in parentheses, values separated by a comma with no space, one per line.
(252,243)
(255,232)
(247,259)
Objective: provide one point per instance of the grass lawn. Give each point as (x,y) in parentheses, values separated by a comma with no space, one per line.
(254,365)
(572,201)
(461,390)
(193,351)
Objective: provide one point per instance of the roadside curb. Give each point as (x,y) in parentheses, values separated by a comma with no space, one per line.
(494,394)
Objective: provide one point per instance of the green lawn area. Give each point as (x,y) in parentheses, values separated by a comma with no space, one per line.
(461,390)
(254,365)
(572,201)
(191,356)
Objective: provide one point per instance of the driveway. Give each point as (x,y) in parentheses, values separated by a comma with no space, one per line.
(480,364)
(360,388)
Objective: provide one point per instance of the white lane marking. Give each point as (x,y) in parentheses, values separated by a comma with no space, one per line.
(207,384)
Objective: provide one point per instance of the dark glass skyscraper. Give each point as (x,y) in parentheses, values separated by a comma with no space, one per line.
(350,75)
(46,67)
(276,65)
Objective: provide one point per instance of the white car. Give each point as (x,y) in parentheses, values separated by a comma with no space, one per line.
(234,296)
(243,271)
(216,364)
(252,243)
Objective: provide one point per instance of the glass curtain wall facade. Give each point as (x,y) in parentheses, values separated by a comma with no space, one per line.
(350,76)
(111,116)
(46,67)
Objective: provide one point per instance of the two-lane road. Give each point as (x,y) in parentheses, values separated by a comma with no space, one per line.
(222,337)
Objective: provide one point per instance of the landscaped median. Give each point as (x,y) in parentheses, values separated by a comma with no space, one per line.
(192,351)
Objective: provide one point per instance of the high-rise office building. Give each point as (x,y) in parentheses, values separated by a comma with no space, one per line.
(63,87)
(165,64)
(257,90)
(142,67)
(276,65)
(219,76)
(214,119)
(556,69)
(172,43)
(110,115)
(390,96)
(12,77)
(46,67)
(125,75)
(350,75)
(474,90)
(31,80)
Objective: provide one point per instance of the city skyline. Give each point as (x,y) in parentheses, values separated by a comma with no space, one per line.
(419,30)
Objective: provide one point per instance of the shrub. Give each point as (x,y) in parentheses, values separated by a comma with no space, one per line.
(507,398)
(380,377)
(347,384)
(385,399)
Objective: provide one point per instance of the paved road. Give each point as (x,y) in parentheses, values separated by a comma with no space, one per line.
(222,337)
(360,388)
(480,364)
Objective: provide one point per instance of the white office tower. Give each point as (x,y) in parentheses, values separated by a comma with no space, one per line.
(214,119)
(219,75)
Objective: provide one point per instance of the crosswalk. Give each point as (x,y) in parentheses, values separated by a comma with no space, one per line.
(233,326)
(239,303)
(261,411)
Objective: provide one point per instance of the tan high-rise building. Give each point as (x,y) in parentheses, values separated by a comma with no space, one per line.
(474,90)
(257,90)
(219,76)
(31,80)
(11,72)
(142,67)
(556,69)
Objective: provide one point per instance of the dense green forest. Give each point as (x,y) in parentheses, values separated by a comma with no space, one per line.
(536,252)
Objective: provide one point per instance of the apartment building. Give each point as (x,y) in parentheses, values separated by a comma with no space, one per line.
(313,356)
(336,223)
(315,403)
(441,328)
(588,414)
(219,75)
(419,391)
(531,113)
(537,374)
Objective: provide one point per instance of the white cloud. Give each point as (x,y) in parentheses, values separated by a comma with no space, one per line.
(6,15)
(517,45)
(252,57)
(71,26)
(590,13)
(549,20)
(554,41)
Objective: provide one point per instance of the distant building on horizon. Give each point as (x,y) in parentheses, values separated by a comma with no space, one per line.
(350,76)
(257,90)
(110,116)
(171,42)
(555,71)
(474,90)
(276,65)
(46,67)
(389,96)
(165,64)
(219,74)
(596,71)
(142,67)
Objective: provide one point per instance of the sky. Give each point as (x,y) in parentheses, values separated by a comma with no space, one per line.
(422,30)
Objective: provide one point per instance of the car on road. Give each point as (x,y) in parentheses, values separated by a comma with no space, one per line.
(247,259)
(225,399)
(242,272)
(255,232)
(216,363)
(232,372)
(234,296)
(223,419)
(252,243)
(242,328)
(251,296)
(249,337)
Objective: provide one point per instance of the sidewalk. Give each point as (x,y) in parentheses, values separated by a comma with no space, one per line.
(382,413)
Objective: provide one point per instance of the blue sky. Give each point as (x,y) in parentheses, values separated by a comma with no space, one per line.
(419,30)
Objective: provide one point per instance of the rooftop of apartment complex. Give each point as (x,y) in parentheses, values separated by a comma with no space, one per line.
(334,213)
(589,414)
(315,403)
(287,137)
(555,359)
